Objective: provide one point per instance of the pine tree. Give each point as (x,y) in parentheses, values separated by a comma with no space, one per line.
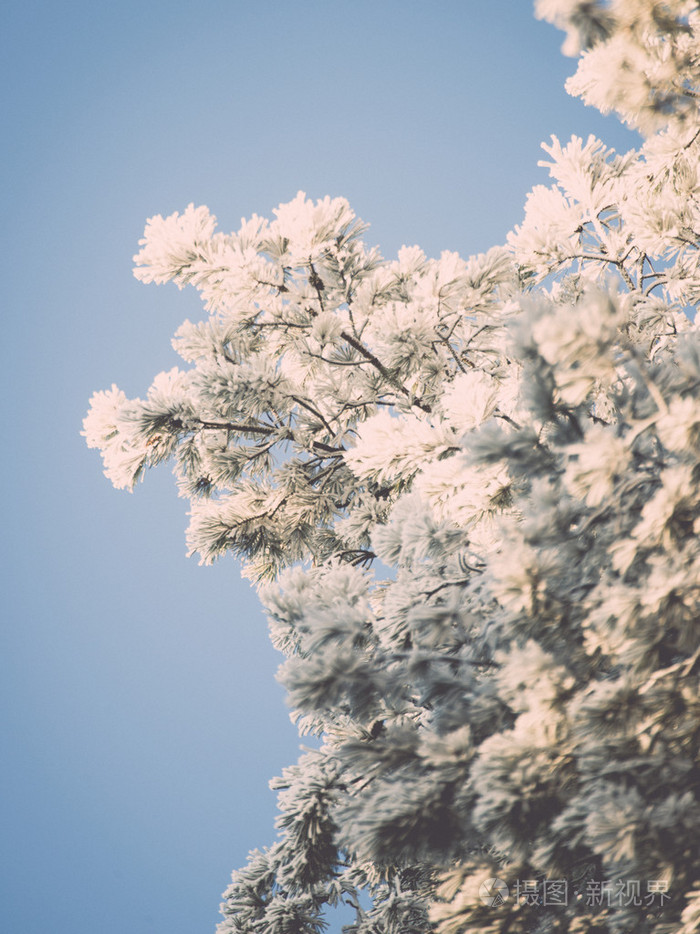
(468,491)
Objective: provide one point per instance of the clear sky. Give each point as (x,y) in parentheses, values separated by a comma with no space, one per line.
(141,720)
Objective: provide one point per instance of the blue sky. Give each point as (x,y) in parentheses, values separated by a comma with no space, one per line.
(141,720)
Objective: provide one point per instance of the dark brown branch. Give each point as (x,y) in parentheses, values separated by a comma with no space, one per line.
(234,426)
(378,365)
(261,430)
(317,283)
(314,412)
(320,446)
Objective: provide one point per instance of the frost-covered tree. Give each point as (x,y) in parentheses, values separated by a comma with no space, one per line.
(517,438)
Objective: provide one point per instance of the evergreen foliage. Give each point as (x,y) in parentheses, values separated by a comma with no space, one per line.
(517,437)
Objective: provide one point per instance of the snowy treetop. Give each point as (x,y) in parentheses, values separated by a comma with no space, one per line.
(517,437)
